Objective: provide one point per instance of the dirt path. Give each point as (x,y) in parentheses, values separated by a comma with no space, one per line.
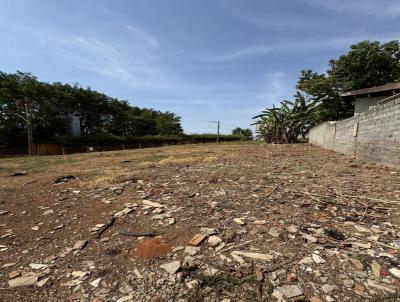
(288,222)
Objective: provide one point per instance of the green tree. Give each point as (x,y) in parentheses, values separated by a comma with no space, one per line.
(244,132)
(325,91)
(51,106)
(367,64)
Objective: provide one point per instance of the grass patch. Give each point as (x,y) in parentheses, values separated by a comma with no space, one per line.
(33,163)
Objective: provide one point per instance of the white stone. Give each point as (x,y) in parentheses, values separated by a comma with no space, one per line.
(193,284)
(327,288)
(23,281)
(191,250)
(256,256)
(292,229)
(287,291)
(48,212)
(310,238)
(318,259)
(80,244)
(214,240)
(239,221)
(152,204)
(42,282)
(171,267)
(123,212)
(95,283)
(208,231)
(274,232)
(395,272)
(37,266)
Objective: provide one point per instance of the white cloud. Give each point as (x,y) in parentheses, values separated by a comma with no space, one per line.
(131,63)
(375,8)
(236,54)
(309,45)
(146,37)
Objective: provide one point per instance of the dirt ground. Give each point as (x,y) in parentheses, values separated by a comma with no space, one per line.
(274,223)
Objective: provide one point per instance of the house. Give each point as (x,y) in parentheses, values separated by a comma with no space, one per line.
(374,96)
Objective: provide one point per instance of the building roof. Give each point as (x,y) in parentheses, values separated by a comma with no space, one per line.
(387,87)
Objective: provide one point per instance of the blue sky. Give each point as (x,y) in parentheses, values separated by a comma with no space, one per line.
(205,60)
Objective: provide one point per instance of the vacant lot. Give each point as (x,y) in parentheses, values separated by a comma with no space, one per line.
(289,222)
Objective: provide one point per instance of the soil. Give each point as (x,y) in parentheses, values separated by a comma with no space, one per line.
(282,194)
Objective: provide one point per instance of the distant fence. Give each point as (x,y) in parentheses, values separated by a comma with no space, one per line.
(373,135)
(133,143)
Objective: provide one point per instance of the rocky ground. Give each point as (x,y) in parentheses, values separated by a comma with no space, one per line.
(229,222)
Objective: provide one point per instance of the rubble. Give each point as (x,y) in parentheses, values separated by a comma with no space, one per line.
(228,223)
(172,267)
(26,280)
(255,256)
(239,221)
(214,240)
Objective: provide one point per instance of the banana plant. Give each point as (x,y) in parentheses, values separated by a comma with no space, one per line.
(287,123)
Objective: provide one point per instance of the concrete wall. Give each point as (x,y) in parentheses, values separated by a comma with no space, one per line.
(373,135)
(363,104)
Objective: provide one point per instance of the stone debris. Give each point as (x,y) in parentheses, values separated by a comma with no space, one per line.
(37,266)
(95,283)
(274,232)
(171,267)
(123,212)
(376,269)
(223,227)
(152,204)
(191,250)
(26,280)
(395,272)
(310,238)
(14,274)
(42,282)
(10,264)
(317,259)
(214,240)
(255,256)
(79,245)
(292,229)
(48,212)
(287,292)
(193,284)
(357,263)
(327,288)
(239,221)
(208,231)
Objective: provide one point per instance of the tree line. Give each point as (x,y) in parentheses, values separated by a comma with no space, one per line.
(50,107)
(317,99)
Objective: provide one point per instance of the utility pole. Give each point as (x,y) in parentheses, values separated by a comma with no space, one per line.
(218,122)
(218,126)
(29,129)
